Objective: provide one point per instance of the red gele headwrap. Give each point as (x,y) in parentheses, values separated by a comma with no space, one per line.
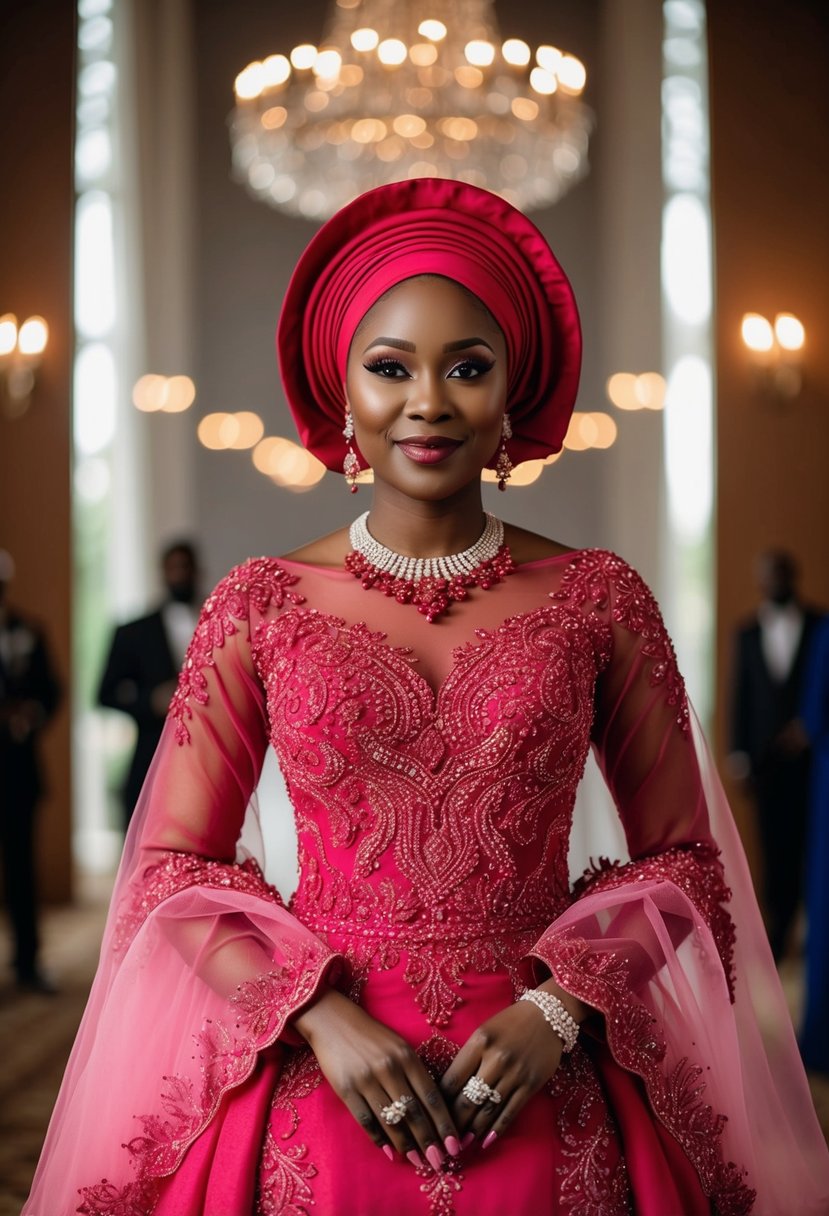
(441,227)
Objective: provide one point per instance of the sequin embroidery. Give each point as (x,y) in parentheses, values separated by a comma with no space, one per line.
(603,579)
(593,1175)
(602,980)
(175,872)
(259,583)
(227,1051)
(471,787)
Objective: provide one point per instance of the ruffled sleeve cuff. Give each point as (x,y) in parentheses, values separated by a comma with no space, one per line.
(637,948)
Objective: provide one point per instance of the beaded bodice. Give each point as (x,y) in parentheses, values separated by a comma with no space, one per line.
(466,793)
(433,818)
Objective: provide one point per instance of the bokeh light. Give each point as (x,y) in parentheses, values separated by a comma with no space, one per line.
(479,52)
(516,52)
(33,336)
(757,332)
(435,30)
(365,39)
(789,331)
(8,333)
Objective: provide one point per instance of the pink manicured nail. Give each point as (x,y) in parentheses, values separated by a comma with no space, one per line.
(415,1158)
(389,1151)
(452,1145)
(468,1139)
(434,1156)
(489,1138)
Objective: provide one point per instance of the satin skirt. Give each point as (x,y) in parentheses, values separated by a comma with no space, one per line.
(586,1145)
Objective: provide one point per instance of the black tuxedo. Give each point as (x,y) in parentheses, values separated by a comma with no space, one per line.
(29,694)
(762,707)
(140,659)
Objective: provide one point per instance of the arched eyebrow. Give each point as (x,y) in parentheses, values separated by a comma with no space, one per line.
(464,342)
(397,343)
(402,344)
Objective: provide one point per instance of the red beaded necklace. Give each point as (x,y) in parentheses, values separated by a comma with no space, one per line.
(430,583)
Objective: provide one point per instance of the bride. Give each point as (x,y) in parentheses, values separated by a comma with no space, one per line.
(438,1022)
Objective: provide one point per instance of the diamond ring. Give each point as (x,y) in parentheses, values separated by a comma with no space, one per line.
(478,1092)
(396,1111)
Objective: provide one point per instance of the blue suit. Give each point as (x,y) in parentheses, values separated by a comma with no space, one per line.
(815,711)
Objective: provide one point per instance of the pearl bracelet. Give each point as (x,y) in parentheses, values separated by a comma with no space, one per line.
(555,1014)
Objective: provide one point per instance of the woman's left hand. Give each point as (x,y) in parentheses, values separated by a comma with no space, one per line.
(516,1052)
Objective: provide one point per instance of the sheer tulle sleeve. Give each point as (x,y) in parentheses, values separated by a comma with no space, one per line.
(668,946)
(202,966)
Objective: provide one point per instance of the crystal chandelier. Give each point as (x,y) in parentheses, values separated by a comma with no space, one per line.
(412,89)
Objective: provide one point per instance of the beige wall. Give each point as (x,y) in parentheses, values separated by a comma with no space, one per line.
(36,108)
(770,173)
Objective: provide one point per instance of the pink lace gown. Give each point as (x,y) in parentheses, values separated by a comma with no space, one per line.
(433,771)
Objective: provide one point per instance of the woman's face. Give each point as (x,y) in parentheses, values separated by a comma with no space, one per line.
(427,386)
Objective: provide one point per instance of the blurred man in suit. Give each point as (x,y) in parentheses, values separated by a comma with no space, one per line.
(770,751)
(144,659)
(29,694)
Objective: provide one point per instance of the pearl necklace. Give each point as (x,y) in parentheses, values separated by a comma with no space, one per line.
(431,583)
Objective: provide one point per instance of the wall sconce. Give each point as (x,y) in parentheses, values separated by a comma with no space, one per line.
(775,350)
(21,351)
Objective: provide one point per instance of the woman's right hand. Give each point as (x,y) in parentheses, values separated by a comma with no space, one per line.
(369,1066)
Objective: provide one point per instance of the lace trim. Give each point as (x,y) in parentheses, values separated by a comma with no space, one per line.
(696,870)
(259,583)
(286,1175)
(603,579)
(601,979)
(134,1199)
(262,1007)
(176,872)
(594,1178)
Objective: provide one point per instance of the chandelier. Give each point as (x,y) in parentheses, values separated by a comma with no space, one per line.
(421,88)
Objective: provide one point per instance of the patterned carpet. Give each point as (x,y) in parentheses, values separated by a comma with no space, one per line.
(36,1033)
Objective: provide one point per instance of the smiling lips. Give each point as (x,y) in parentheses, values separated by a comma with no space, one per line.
(427,449)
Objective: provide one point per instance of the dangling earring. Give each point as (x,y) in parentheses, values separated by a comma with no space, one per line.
(503,465)
(351,464)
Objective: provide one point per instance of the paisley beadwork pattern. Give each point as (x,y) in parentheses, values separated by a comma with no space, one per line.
(593,1176)
(470,788)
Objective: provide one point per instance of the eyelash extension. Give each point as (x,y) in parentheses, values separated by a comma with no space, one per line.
(373,365)
(480,366)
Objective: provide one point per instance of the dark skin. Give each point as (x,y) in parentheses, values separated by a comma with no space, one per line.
(428,360)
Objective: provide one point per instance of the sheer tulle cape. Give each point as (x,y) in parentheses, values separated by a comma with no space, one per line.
(644,941)
(202,968)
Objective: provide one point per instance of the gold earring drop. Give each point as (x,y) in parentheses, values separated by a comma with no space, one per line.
(503,465)
(351,463)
